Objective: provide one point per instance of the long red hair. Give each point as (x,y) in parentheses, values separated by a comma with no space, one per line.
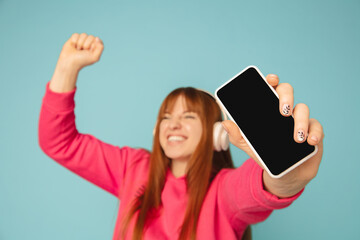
(203,166)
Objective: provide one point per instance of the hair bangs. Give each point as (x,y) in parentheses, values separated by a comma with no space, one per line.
(193,100)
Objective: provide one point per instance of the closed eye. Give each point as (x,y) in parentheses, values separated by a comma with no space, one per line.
(190,115)
(166,116)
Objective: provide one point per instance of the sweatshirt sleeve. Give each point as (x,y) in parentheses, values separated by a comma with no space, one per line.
(100,163)
(243,195)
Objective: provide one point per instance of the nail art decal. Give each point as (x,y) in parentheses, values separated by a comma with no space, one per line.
(301,135)
(286,109)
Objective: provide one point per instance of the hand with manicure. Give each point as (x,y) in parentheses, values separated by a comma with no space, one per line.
(305,129)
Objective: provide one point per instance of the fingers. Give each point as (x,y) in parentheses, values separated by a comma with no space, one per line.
(316,133)
(97,48)
(86,42)
(305,128)
(74,38)
(285,92)
(80,41)
(233,131)
(273,80)
(237,139)
(286,98)
(301,117)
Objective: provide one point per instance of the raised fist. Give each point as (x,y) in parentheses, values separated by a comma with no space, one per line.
(80,50)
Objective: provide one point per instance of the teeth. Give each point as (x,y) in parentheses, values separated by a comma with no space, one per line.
(175,138)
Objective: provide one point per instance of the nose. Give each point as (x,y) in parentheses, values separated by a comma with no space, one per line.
(175,123)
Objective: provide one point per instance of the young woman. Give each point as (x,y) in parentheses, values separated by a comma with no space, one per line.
(183,189)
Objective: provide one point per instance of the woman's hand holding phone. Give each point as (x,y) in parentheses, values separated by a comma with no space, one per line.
(305,129)
(79,51)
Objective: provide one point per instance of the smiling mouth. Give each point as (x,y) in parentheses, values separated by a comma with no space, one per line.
(176,138)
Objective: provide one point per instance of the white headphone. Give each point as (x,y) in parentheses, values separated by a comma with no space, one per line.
(220,136)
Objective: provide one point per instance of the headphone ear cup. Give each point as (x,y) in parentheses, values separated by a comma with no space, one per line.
(224,140)
(217,136)
(221,138)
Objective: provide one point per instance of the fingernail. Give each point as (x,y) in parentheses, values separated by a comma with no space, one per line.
(286,109)
(300,135)
(314,138)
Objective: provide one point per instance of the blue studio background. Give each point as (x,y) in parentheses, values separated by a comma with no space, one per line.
(152,47)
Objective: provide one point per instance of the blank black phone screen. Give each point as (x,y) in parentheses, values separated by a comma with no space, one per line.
(255,109)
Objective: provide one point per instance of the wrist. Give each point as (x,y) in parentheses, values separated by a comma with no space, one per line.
(67,66)
(64,78)
(283,187)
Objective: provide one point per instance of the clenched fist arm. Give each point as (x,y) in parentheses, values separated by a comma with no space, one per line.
(79,51)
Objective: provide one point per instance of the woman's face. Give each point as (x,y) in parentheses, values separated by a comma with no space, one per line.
(180,131)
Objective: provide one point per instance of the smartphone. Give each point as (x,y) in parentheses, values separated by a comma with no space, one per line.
(253,105)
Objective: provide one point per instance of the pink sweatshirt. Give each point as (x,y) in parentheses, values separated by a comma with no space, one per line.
(235,199)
